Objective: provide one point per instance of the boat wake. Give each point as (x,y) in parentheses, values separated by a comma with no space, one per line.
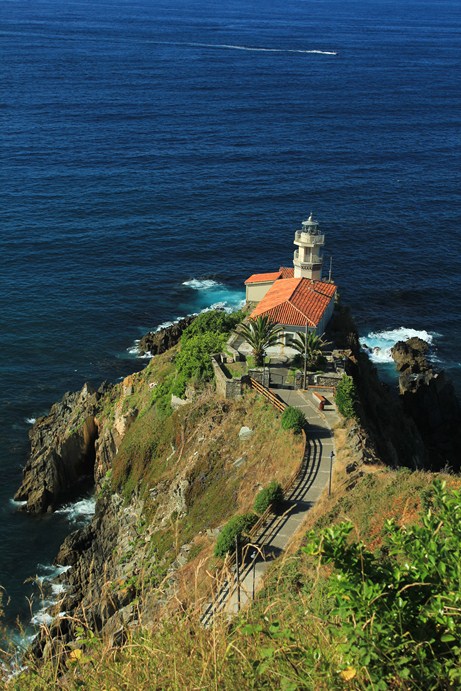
(256,49)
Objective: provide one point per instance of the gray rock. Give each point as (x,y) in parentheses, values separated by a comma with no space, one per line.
(177,402)
(240,461)
(245,433)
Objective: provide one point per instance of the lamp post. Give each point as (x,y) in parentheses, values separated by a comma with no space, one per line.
(331,470)
(253,557)
(305,357)
(237,571)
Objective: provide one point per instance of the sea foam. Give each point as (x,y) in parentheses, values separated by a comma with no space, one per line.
(202,284)
(378,344)
(80,511)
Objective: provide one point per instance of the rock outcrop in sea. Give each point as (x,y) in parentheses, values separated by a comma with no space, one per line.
(157,342)
(429,399)
(62,452)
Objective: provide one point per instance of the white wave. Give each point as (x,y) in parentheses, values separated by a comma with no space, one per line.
(58,588)
(166,325)
(80,511)
(31,420)
(204,284)
(17,504)
(231,46)
(378,344)
(42,616)
(48,572)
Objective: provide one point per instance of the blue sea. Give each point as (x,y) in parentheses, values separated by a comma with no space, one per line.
(156,153)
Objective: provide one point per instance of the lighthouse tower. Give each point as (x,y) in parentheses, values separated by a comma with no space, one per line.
(308,259)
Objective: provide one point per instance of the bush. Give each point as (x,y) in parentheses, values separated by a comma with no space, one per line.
(346,397)
(399,609)
(233,528)
(193,362)
(270,495)
(214,321)
(206,335)
(293,418)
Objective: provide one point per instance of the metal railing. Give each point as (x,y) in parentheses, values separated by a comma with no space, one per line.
(310,237)
(252,535)
(267,393)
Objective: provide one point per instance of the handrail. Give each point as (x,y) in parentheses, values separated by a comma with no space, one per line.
(267,393)
(231,558)
(280,405)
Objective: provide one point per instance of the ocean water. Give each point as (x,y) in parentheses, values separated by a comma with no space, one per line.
(154,154)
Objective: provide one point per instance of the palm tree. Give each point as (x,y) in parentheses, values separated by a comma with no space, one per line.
(310,346)
(260,333)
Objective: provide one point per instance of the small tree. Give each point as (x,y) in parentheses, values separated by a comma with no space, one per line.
(233,529)
(293,418)
(272,495)
(260,333)
(346,397)
(310,346)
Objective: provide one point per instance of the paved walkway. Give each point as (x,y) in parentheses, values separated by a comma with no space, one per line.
(277,533)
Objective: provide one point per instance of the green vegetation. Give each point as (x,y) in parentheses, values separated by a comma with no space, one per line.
(260,334)
(310,346)
(272,495)
(326,620)
(232,531)
(213,321)
(400,609)
(206,335)
(346,397)
(293,418)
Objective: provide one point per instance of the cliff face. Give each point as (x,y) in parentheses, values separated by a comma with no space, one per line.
(429,399)
(62,452)
(165,482)
(383,422)
(164,485)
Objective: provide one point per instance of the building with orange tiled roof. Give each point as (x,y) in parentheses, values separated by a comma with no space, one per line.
(297,298)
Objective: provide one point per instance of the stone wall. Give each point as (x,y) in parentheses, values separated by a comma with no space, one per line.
(230,346)
(261,376)
(326,379)
(225,387)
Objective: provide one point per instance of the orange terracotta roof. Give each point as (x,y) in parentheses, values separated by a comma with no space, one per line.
(286,271)
(295,301)
(263,278)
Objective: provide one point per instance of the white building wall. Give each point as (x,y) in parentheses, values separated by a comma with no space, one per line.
(256,291)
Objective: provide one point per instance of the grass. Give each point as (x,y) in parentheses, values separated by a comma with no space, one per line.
(282,642)
(235,369)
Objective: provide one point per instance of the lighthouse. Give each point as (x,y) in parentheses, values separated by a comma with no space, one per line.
(308,257)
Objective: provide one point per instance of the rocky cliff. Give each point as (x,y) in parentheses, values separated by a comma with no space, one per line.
(164,484)
(384,426)
(157,342)
(429,399)
(62,452)
(166,481)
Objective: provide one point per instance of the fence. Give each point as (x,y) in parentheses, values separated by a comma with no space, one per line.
(267,393)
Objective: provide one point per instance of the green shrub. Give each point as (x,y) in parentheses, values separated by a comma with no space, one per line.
(270,495)
(399,609)
(193,361)
(233,528)
(346,397)
(206,335)
(213,321)
(293,418)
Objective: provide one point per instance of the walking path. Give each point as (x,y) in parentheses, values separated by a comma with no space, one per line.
(277,533)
